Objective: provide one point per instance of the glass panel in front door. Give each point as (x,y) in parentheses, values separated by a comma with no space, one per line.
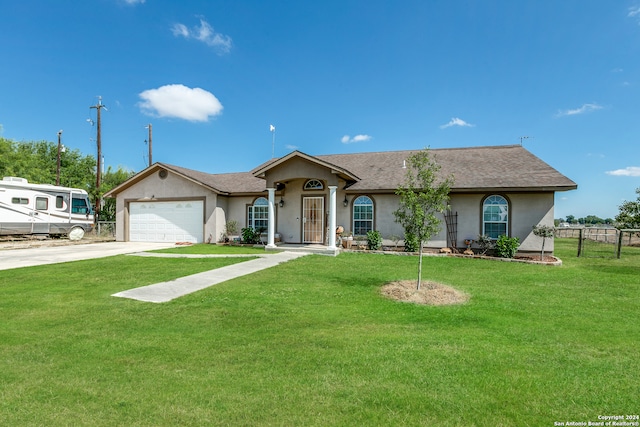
(313,219)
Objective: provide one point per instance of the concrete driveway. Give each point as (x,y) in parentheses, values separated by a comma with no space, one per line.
(17,258)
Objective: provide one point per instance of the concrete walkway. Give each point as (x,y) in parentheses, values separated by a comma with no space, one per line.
(167,291)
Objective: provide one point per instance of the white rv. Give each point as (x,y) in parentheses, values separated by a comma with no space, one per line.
(43,209)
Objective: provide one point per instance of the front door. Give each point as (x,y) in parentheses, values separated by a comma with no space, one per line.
(313,219)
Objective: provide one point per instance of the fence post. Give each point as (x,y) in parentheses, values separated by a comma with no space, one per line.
(580,242)
(619,243)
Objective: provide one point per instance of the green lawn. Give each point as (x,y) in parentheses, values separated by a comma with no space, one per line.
(203,248)
(312,342)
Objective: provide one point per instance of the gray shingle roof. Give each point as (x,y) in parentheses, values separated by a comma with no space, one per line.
(237,182)
(506,167)
(500,168)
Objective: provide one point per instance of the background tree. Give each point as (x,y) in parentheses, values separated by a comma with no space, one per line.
(629,215)
(422,196)
(110,180)
(37,162)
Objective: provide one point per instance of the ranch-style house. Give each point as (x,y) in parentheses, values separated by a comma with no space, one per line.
(302,199)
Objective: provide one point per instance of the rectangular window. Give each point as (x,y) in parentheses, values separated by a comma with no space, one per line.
(362,219)
(495,229)
(59,202)
(260,218)
(42,203)
(19,200)
(79,206)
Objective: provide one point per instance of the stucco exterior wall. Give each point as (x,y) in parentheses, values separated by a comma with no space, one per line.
(529,210)
(526,210)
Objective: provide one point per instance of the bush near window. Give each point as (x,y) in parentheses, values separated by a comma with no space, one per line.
(374,240)
(507,247)
(249,235)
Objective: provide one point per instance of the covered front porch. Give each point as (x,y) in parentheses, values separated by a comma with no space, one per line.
(301,204)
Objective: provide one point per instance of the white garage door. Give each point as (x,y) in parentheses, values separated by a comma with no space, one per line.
(166,221)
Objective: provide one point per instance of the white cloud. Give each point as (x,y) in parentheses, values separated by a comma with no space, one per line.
(628,171)
(132,2)
(634,12)
(585,108)
(358,138)
(179,101)
(455,121)
(205,34)
(291,147)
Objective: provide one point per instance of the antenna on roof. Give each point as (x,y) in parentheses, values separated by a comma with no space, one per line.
(524,137)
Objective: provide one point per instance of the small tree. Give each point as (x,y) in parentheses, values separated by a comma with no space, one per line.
(629,216)
(423,195)
(544,231)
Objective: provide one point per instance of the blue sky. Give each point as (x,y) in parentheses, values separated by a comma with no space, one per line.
(332,77)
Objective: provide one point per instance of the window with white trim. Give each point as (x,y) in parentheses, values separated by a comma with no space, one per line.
(362,215)
(313,184)
(495,216)
(258,214)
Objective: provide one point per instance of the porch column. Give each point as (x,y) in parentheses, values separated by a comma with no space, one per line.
(332,216)
(272,216)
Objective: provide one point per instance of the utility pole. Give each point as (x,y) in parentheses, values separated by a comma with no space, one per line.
(150,149)
(58,163)
(98,107)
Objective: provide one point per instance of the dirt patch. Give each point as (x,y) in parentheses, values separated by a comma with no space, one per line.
(430,293)
(35,242)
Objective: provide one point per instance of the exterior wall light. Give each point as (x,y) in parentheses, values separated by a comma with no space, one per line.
(281,202)
(345,202)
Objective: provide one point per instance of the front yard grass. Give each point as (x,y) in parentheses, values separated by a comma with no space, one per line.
(312,342)
(207,249)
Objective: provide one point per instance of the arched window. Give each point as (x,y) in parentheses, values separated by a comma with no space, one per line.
(362,215)
(258,214)
(495,216)
(313,184)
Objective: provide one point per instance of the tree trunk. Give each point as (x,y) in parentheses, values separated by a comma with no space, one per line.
(420,267)
(542,254)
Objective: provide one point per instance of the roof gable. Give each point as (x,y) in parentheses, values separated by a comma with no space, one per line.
(225,184)
(262,170)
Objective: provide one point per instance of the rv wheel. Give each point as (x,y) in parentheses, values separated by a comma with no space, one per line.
(76,233)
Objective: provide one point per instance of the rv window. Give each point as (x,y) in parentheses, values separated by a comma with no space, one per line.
(79,206)
(42,203)
(59,202)
(19,201)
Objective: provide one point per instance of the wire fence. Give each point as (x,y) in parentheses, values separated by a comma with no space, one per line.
(105,229)
(601,242)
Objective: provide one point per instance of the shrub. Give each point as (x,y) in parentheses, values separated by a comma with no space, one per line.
(507,247)
(249,235)
(374,240)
